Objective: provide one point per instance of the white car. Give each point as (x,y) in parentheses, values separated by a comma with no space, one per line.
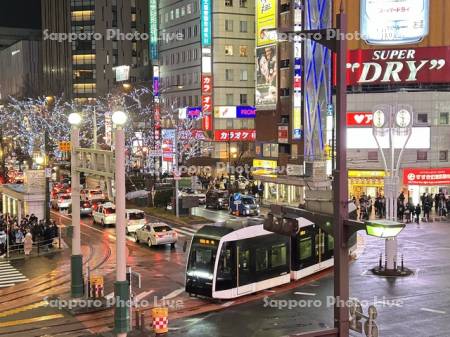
(135,219)
(62,202)
(105,214)
(189,192)
(155,234)
(92,195)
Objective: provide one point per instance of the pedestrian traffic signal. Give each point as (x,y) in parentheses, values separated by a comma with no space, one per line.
(281,225)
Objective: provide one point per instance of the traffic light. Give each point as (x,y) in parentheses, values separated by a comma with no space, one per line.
(281,225)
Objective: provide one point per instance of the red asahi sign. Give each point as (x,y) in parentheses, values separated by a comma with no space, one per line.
(429,177)
(390,66)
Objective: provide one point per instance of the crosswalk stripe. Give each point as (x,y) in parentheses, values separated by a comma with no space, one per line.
(9,275)
(179,230)
(190,229)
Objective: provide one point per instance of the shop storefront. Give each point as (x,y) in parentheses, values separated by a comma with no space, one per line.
(279,189)
(365,182)
(430,181)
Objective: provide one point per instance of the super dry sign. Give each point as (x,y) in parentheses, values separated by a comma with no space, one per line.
(402,66)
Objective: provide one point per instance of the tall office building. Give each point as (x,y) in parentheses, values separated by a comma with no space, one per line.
(84,68)
(206,60)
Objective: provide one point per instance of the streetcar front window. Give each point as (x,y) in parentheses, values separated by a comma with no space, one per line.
(201,261)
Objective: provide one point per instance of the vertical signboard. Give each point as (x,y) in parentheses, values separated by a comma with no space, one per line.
(297,96)
(393,22)
(153,27)
(206,22)
(168,144)
(266,22)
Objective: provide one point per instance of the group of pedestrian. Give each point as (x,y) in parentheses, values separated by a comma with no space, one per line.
(365,206)
(20,235)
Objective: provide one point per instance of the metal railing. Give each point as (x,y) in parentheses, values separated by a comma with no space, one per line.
(39,247)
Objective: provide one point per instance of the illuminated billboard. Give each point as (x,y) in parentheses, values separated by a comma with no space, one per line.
(266,22)
(206,22)
(266,76)
(153,15)
(361,138)
(393,22)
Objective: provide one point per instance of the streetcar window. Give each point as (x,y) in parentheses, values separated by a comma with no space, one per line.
(278,256)
(244,260)
(201,261)
(262,261)
(305,248)
(224,269)
(330,242)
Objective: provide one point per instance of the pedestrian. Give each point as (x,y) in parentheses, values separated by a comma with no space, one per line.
(426,210)
(28,243)
(418,211)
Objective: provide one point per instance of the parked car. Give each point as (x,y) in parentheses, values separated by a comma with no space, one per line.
(217,199)
(243,205)
(105,214)
(92,194)
(135,219)
(62,202)
(156,234)
(189,192)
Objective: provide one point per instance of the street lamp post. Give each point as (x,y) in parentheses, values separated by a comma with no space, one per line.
(121,287)
(76,258)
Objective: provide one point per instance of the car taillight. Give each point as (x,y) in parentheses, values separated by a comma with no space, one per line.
(174,234)
(159,235)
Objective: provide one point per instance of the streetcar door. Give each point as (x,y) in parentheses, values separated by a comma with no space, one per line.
(320,245)
(244,277)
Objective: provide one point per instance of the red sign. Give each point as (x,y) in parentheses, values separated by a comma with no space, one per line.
(283,134)
(207,123)
(390,66)
(359,119)
(234,135)
(207,104)
(206,84)
(429,177)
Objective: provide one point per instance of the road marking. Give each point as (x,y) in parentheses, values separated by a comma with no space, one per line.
(140,296)
(173,294)
(269,291)
(30,320)
(9,275)
(306,294)
(364,272)
(179,230)
(433,311)
(22,309)
(227,304)
(190,229)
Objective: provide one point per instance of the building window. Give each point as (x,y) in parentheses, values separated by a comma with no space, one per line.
(443,155)
(243,99)
(166,17)
(372,156)
(243,51)
(229,99)
(229,74)
(443,118)
(422,118)
(422,155)
(229,3)
(229,50)
(243,26)
(243,3)
(171,14)
(177,13)
(229,25)
(183,11)
(188,8)
(244,75)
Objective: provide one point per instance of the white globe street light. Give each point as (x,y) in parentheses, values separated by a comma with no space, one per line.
(75,119)
(119,118)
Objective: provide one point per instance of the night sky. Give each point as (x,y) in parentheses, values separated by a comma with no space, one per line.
(20,13)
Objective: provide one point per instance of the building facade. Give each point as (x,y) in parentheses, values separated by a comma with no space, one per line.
(206,58)
(85,67)
(21,70)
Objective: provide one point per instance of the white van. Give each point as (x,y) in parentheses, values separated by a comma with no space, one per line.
(135,218)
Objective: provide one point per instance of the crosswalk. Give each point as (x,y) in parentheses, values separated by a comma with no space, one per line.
(9,275)
(185,231)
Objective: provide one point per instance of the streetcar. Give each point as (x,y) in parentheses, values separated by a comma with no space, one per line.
(238,258)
